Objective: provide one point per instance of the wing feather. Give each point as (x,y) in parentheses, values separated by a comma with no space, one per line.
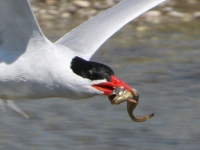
(89,36)
(17,26)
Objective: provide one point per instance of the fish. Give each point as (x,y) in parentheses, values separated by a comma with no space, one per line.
(121,95)
(130,108)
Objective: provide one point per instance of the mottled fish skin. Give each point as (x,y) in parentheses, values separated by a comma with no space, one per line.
(130,108)
(120,97)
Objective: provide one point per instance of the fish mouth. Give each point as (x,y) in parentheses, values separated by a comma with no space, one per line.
(111,97)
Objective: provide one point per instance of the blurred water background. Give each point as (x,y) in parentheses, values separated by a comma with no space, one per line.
(157,54)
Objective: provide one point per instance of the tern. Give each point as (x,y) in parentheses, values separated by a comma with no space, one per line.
(32,67)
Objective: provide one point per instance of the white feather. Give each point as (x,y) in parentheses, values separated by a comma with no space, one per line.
(9,103)
(89,36)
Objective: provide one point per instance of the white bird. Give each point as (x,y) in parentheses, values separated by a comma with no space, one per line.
(32,67)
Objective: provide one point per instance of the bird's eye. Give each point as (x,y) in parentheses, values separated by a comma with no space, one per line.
(89,72)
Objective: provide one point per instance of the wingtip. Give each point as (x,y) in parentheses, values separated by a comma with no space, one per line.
(13,106)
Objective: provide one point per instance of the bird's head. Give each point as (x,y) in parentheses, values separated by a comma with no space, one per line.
(93,71)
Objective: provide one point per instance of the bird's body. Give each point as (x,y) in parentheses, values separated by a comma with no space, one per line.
(43,75)
(32,67)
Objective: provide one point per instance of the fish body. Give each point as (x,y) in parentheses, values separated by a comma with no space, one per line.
(120,95)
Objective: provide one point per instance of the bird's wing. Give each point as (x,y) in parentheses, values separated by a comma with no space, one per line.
(89,36)
(9,103)
(17,26)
